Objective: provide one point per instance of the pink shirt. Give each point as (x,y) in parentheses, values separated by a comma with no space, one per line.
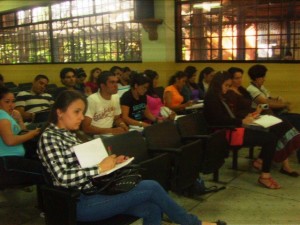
(154,105)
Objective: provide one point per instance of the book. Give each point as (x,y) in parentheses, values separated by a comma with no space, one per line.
(196,106)
(91,153)
(266,121)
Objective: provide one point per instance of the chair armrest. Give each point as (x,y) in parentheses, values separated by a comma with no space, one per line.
(164,150)
(194,137)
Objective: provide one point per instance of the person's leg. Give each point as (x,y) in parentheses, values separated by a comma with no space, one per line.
(147,194)
(267,141)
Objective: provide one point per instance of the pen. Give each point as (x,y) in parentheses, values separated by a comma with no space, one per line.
(109,150)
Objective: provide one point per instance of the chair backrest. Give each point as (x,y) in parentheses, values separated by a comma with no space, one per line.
(163,135)
(192,124)
(131,144)
(25,86)
(10,85)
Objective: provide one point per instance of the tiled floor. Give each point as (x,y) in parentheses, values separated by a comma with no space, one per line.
(243,202)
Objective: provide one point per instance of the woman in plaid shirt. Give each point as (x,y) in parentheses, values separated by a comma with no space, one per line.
(147,200)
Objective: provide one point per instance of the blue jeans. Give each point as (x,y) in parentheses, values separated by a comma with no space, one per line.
(148,200)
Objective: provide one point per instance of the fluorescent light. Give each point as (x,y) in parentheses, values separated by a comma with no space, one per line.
(207,5)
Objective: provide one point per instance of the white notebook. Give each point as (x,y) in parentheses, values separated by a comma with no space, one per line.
(266,121)
(91,153)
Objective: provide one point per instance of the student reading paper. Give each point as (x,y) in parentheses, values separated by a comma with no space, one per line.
(147,200)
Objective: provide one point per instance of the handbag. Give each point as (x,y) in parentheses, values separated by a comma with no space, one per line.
(235,137)
(121,180)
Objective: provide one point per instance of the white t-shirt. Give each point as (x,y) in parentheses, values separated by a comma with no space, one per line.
(255,92)
(102,111)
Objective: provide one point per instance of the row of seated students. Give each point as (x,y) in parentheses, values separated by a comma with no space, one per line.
(67,113)
(130,113)
(147,200)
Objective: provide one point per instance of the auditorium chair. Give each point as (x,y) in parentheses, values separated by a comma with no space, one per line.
(186,157)
(154,165)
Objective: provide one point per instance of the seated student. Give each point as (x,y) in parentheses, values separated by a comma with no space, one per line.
(261,95)
(218,113)
(134,102)
(103,110)
(28,103)
(123,79)
(192,87)
(92,82)
(147,200)
(80,78)
(205,77)
(68,79)
(15,168)
(154,102)
(239,101)
(172,94)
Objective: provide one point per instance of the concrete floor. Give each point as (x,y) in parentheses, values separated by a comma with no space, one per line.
(243,201)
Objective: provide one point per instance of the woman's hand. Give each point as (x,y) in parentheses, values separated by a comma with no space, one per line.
(17,116)
(34,132)
(121,158)
(248,119)
(108,163)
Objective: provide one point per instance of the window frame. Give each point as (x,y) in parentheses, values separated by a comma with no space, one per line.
(183,37)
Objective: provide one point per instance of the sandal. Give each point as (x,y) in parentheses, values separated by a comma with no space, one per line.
(257,165)
(272,184)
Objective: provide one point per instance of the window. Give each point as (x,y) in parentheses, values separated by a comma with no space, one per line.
(237,30)
(76,31)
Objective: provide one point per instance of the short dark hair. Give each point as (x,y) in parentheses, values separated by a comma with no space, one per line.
(64,71)
(41,76)
(103,77)
(233,70)
(114,68)
(190,71)
(139,79)
(257,71)
(79,72)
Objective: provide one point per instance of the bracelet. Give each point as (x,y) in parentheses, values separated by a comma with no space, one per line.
(121,123)
(140,123)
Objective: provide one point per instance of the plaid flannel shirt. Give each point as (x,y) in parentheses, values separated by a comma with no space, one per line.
(57,156)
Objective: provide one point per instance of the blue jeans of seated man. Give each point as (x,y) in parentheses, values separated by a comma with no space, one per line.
(147,200)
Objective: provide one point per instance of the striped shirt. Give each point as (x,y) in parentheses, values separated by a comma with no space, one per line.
(57,156)
(32,102)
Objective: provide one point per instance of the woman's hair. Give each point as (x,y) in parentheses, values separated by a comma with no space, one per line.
(151,74)
(63,101)
(257,71)
(92,72)
(138,79)
(177,76)
(190,71)
(205,71)
(215,87)
(233,70)
(4,91)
